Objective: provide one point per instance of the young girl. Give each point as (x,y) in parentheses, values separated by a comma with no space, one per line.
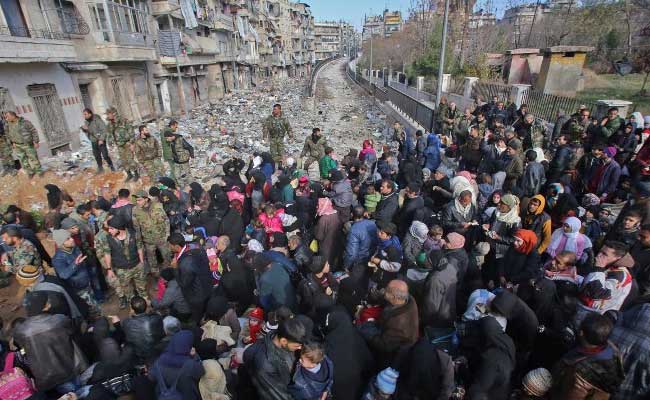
(314,374)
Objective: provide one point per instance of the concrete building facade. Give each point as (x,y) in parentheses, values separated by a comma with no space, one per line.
(383,25)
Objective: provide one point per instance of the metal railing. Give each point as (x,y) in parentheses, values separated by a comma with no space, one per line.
(546,106)
(413,92)
(20,31)
(487,90)
(420,113)
(70,20)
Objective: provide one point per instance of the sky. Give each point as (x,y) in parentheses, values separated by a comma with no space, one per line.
(353,11)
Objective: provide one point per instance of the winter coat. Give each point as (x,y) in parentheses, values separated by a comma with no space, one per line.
(438,307)
(514,170)
(406,214)
(609,179)
(387,208)
(560,162)
(361,242)
(328,234)
(76,276)
(522,321)
(432,153)
(172,299)
(144,332)
(517,267)
(350,355)
(452,220)
(313,300)
(341,193)
(506,234)
(50,350)
(194,276)
(425,373)
(314,149)
(232,225)
(269,368)
(302,256)
(399,328)
(237,281)
(630,336)
(325,165)
(275,288)
(533,179)
(212,385)
(96,129)
(307,385)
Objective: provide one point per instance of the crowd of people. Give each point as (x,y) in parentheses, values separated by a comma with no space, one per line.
(495,258)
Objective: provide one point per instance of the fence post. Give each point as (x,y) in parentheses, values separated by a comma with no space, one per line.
(517,93)
(446,80)
(470,81)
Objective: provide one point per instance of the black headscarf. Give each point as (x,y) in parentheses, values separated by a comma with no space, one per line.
(54,199)
(196,191)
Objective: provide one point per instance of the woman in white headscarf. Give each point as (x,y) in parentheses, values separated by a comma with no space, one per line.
(569,238)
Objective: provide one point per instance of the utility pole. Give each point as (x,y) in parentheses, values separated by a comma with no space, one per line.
(177,53)
(442,52)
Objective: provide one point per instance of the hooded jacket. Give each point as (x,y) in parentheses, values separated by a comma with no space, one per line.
(540,223)
(432,152)
(438,307)
(307,385)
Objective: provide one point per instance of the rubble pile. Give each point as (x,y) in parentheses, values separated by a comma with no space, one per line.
(230,127)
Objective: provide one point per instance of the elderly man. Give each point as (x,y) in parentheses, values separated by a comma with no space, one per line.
(398,324)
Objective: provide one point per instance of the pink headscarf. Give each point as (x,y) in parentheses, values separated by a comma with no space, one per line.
(455,241)
(235,194)
(325,207)
(467,175)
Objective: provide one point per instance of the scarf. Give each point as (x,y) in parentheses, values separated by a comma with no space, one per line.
(529,238)
(573,241)
(325,207)
(121,203)
(463,210)
(511,217)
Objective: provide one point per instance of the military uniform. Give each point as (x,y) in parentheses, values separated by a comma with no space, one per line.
(126,265)
(147,151)
(120,132)
(441,114)
(24,254)
(152,227)
(275,128)
(536,136)
(314,151)
(95,129)
(182,158)
(167,152)
(23,136)
(6,158)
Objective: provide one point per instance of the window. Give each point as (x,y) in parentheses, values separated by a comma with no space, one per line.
(129,16)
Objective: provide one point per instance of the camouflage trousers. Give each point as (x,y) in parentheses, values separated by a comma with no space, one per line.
(124,279)
(26,154)
(153,169)
(276,148)
(94,309)
(126,158)
(183,175)
(6,158)
(152,260)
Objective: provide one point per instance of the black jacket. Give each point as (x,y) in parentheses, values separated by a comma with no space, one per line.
(522,321)
(194,276)
(269,368)
(237,281)
(387,208)
(143,332)
(425,373)
(313,301)
(232,225)
(406,214)
(560,162)
(302,256)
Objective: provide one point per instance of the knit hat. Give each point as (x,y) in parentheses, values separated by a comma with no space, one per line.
(387,380)
(171,325)
(60,236)
(537,382)
(610,151)
(482,248)
(27,275)
(254,245)
(514,144)
(116,222)
(510,200)
(419,230)
(317,264)
(303,179)
(455,241)
(68,223)
(279,240)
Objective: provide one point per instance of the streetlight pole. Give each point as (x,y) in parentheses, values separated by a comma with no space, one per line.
(442,52)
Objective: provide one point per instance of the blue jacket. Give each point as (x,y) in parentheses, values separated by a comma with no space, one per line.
(74,275)
(278,257)
(609,179)
(361,242)
(275,288)
(432,153)
(307,385)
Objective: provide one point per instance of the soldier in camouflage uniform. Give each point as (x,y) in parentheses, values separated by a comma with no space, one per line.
(152,228)
(148,152)
(6,158)
(95,129)
(23,253)
(461,127)
(120,132)
(535,135)
(125,260)
(481,123)
(274,128)
(181,153)
(24,141)
(167,149)
(101,245)
(441,115)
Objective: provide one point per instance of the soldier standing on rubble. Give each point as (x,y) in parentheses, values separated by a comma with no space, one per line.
(148,152)
(6,158)
(182,152)
(172,127)
(152,228)
(314,149)
(274,128)
(95,128)
(24,141)
(120,132)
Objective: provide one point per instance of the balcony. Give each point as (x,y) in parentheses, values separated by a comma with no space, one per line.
(223,22)
(166,7)
(21,45)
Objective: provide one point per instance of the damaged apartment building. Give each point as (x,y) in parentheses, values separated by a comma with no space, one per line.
(147,58)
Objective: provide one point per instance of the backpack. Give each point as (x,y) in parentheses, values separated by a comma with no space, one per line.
(168,392)
(14,382)
(187,146)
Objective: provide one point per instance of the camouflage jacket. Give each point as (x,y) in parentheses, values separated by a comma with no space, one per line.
(316,150)
(536,136)
(441,113)
(96,129)
(21,131)
(574,129)
(120,131)
(180,154)
(151,223)
(482,126)
(166,146)
(25,254)
(611,127)
(276,127)
(101,246)
(147,149)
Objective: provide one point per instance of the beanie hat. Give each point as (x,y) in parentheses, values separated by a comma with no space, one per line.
(537,382)
(303,179)
(419,230)
(510,200)
(254,245)
(60,236)
(27,275)
(279,240)
(317,264)
(455,241)
(514,144)
(387,380)
(482,248)
(116,222)
(68,223)
(171,325)
(610,151)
